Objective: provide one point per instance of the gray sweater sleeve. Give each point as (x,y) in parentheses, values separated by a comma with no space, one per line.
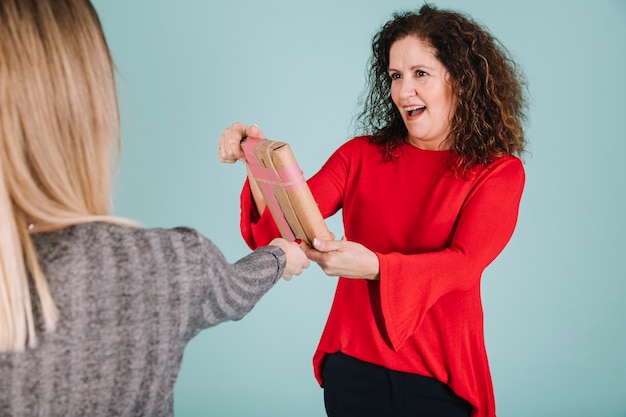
(218,290)
(129,300)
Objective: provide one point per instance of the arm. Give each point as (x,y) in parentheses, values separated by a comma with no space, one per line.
(344,258)
(485,224)
(228,291)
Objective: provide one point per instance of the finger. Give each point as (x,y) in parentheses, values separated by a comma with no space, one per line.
(230,151)
(304,265)
(225,154)
(254,132)
(323,245)
(228,145)
(313,254)
(221,152)
(238,129)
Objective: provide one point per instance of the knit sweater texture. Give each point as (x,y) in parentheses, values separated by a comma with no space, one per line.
(130,299)
(434,233)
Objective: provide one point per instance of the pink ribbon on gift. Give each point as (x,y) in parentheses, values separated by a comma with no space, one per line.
(269,179)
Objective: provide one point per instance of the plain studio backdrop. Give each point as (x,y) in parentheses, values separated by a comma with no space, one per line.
(555,308)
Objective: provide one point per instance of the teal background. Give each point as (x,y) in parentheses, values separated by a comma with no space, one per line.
(555,312)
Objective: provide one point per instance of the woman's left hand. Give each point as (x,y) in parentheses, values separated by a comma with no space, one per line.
(344,258)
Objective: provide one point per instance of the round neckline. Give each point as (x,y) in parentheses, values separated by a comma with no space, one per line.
(414,148)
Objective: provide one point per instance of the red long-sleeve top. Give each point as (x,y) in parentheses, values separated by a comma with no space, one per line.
(434,233)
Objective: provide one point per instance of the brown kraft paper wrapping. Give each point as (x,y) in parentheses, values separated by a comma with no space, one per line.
(285,190)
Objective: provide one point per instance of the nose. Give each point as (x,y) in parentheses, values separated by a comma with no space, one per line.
(407,88)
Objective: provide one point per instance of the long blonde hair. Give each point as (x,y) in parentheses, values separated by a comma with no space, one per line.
(59,137)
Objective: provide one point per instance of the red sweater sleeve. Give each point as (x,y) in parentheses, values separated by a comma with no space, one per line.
(257,230)
(485,225)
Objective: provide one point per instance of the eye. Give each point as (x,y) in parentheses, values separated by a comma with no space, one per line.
(420,73)
(394,76)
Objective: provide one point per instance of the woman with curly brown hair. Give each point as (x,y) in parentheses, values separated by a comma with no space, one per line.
(430,196)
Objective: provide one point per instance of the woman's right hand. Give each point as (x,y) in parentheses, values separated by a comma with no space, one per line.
(229,146)
(297,260)
(230,151)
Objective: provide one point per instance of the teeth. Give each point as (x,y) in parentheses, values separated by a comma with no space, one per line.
(412,109)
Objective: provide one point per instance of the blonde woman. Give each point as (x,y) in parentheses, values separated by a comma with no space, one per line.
(95,312)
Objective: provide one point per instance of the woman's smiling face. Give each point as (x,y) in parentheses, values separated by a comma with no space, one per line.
(421,90)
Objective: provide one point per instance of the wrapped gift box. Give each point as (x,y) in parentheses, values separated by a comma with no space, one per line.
(285,190)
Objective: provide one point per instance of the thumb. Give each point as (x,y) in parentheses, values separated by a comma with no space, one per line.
(324,245)
(255,132)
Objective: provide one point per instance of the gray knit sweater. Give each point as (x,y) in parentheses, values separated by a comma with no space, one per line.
(130,300)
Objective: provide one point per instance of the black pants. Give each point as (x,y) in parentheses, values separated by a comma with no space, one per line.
(353,388)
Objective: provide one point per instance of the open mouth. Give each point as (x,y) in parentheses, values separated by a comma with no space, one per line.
(415,110)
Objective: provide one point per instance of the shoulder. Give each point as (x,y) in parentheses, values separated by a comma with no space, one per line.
(359,146)
(360,142)
(120,232)
(143,242)
(509,164)
(507,170)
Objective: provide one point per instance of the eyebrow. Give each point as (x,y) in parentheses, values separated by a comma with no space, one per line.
(413,68)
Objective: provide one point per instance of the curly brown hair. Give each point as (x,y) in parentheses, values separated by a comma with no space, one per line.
(489,86)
